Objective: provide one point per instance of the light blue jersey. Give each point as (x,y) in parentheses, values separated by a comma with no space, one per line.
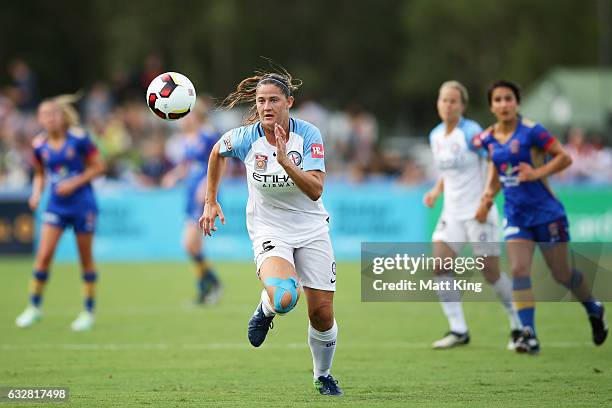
(277,208)
(462,166)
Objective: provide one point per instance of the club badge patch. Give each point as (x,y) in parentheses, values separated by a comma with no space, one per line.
(261,162)
(295,157)
(317,151)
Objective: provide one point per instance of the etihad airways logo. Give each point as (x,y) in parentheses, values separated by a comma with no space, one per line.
(273,180)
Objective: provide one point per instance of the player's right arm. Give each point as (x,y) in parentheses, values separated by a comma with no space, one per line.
(38,184)
(38,181)
(212,208)
(429,199)
(491,189)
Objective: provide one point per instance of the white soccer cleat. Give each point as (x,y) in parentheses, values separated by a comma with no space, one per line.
(83,322)
(451,339)
(31,315)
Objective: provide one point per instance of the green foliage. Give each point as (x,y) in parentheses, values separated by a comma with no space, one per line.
(389,56)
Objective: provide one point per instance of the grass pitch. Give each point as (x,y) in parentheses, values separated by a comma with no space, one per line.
(150,347)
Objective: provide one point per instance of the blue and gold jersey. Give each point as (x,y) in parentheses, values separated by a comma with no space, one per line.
(68,161)
(526,203)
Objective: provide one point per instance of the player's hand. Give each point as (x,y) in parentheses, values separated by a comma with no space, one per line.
(526,172)
(212,210)
(33,201)
(429,199)
(66,187)
(281,145)
(486,202)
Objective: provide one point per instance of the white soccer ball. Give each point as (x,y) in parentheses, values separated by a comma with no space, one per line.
(171,96)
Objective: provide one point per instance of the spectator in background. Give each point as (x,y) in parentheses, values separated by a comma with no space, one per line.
(582,154)
(363,136)
(23,89)
(154,65)
(602,162)
(154,162)
(98,103)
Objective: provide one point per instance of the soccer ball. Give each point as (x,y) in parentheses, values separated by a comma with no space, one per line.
(171,96)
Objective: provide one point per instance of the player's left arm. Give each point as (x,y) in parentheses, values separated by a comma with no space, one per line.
(94,166)
(309,181)
(560,161)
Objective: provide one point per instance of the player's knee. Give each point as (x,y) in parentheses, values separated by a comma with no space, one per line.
(44,260)
(286,293)
(321,316)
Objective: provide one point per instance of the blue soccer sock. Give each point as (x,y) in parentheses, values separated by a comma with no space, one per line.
(90,304)
(524,303)
(35,299)
(40,278)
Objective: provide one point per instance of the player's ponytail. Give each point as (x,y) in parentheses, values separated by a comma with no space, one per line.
(66,104)
(247,89)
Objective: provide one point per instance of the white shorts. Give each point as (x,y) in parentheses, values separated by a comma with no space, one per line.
(313,261)
(484,238)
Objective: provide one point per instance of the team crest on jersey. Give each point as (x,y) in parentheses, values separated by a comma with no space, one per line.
(477,141)
(70,153)
(228,143)
(45,155)
(317,151)
(261,162)
(295,157)
(514,146)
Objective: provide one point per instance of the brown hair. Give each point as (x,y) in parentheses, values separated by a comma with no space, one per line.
(247,89)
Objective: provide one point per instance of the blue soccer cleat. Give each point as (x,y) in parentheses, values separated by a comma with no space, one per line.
(328,386)
(259,324)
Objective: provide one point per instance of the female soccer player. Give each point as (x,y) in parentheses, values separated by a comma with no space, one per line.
(518,148)
(286,220)
(200,137)
(462,180)
(70,160)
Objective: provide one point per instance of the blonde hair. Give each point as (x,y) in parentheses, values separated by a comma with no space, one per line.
(246,90)
(459,87)
(65,103)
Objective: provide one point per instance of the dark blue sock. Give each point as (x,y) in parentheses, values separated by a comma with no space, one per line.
(35,300)
(211,277)
(89,304)
(527,318)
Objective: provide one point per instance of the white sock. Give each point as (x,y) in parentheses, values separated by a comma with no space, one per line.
(452,306)
(503,288)
(265,304)
(322,346)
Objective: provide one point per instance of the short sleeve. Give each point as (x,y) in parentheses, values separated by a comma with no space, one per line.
(37,145)
(314,153)
(472,131)
(540,137)
(235,143)
(86,147)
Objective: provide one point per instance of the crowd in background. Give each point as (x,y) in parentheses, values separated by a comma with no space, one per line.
(140,148)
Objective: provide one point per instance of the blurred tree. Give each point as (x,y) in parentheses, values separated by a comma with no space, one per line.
(389,56)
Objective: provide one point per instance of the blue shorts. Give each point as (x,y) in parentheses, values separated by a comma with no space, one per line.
(553,231)
(82,223)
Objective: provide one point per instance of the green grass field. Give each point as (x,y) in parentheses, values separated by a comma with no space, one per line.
(152,348)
